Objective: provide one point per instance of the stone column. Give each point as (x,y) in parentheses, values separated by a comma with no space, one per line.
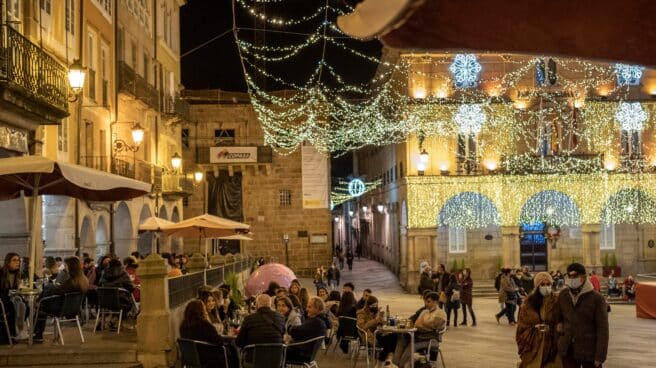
(196,263)
(510,246)
(435,254)
(410,263)
(590,248)
(403,255)
(154,346)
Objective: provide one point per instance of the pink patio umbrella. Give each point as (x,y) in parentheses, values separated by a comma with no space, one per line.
(259,280)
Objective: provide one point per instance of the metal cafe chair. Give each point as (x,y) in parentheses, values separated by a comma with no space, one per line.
(109,302)
(311,362)
(5,321)
(348,330)
(365,346)
(71,306)
(263,356)
(434,344)
(190,357)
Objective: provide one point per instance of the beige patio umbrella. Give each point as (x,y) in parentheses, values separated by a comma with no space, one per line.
(207,226)
(154,225)
(37,175)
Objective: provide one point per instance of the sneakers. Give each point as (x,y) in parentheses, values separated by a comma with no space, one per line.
(498,318)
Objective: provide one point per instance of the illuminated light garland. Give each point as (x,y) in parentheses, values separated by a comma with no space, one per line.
(628,75)
(470,118)
(597,197)
(279,21)
(341,194)
(469,210)
(551,207)
(465,69)
(631,115)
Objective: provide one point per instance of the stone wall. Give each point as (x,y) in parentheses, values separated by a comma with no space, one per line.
(261,186)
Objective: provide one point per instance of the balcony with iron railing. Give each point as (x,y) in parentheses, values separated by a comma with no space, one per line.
(132,168)
(27,69)
(95,162)
(175,106)
(177,185)
(135,85)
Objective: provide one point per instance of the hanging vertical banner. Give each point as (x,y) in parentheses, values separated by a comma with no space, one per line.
(315,178)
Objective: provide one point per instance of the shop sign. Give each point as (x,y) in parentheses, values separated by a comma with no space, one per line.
(231,155)
(13,140)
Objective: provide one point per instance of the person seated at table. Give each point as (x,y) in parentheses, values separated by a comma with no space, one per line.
(613,289)
(228,308)
(296,304)
(9,280)
(322,293)
(281,292)
(348,286)
(116,277)
(174,265)
(296,289)
(131,264)
(76,282)
(363,300)
(346,309)
(50,270)
(272,289)
(265,326)
(207,297)
(285,307)
(314,326)
(628,288)
(429,320)
(369,320)
(197,326)
(332,304)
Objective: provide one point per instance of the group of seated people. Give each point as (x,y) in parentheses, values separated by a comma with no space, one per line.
(63,277)
(625,290)
(290,316)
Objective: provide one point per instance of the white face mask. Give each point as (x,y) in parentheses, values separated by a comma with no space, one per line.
(574,283)
(545,290)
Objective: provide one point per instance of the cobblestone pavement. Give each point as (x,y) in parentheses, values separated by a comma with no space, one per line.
(489,344)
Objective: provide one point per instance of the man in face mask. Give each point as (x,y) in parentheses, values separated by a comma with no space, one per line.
(583,322)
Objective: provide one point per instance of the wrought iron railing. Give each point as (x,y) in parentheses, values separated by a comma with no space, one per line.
(177,183)
(132,83)
(29,67)
(95,162)
(131,168)
(175,106)
(184,288)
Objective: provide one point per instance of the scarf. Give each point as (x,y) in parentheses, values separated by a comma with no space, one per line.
(586,288)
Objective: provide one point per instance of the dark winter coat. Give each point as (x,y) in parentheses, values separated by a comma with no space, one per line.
(425,283)
(585,325)
(466,287)
(116,277)
(442,280)
(311,328)
(263,327)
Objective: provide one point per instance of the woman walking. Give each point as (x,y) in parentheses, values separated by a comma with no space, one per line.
(507,296)
(466,287)
(536,328)
(452,291)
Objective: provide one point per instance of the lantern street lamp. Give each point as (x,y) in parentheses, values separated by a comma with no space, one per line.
(176,161)
(76,75)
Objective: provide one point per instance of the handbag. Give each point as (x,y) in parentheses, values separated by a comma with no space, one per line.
(455,296)
(442,298)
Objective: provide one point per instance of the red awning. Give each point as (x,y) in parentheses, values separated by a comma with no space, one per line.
(608,30)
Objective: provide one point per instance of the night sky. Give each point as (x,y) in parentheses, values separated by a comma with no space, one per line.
(217,65)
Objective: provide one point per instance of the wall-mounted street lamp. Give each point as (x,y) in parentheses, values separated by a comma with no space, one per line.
(380,207)
(76,75)
(198,177)
(336,219)
(423,156)
(350,212)
(137,138)
(176,161)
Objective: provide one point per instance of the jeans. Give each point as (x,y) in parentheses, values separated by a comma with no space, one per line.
(509,311)
(452,307)
(464,313)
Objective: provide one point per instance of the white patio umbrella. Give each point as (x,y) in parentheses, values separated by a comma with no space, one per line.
(36,175)
(207,226)
(154,225)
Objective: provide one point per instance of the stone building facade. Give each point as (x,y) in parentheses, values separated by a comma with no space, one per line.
(271,187)
(475,208)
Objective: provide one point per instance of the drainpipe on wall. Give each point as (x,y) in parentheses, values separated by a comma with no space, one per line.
(78,119)
(111,134)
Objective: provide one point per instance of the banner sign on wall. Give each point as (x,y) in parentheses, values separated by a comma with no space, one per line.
(230,155)
(315,178)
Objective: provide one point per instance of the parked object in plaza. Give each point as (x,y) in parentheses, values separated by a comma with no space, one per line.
(259,280)
(36,175)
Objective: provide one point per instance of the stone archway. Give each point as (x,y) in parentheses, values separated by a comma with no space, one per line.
(102,240)
(145,242)
(468,210)
(87,236)
(629,206)
(123,231)
(552,207)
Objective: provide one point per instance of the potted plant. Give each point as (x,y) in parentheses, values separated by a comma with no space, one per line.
(610,264)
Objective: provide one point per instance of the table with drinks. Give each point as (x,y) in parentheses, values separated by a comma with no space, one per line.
(397,326)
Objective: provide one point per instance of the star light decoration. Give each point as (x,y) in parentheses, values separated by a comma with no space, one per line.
(631,116)
(628,75)
(465,69)
(470,118)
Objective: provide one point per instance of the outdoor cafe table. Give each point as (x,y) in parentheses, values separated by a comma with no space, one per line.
(30,296)
(400,331)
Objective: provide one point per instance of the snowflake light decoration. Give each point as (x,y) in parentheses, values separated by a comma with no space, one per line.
(631,115)
(628,75)
(465,69)
(356,187)
(470,118)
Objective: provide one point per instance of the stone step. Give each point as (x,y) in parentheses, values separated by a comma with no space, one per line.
(69,357)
